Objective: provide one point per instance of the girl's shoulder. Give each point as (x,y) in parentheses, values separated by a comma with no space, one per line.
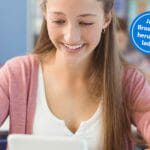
(135,84)
(132,73)
(26,59)
(20,66)
(22,62)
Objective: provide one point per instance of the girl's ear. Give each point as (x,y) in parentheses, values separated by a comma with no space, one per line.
(107,20)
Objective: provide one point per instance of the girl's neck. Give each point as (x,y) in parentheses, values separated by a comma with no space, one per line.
(71,70)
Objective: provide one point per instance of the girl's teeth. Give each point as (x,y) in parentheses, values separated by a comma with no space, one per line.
(73,47)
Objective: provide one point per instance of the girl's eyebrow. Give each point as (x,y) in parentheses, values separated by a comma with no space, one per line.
(82,15)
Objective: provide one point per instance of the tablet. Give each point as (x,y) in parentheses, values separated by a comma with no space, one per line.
(33,142)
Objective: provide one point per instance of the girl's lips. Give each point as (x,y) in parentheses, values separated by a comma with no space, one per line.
(72,50)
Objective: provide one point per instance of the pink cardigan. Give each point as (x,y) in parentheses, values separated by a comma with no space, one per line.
(18,90)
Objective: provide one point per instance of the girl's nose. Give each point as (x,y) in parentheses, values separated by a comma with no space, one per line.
(72,34)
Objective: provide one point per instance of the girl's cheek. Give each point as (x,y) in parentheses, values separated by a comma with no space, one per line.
(94,34)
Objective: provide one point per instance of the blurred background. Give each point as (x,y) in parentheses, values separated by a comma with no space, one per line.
(20,23)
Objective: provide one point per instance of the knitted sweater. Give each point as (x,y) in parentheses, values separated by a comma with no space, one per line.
(18,91)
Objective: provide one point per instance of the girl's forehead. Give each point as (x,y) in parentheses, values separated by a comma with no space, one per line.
(75,6)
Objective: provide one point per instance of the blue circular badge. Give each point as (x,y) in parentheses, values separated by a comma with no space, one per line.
(140,32)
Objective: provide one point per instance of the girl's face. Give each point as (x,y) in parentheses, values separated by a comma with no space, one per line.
(75,26)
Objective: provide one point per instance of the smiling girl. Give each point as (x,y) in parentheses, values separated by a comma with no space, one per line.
(75,83)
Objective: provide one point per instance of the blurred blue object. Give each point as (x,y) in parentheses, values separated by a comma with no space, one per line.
(3,144)
(13,29)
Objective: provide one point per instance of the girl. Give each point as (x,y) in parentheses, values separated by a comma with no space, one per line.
(75,83)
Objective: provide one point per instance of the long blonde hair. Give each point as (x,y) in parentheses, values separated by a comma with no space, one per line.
(106,80)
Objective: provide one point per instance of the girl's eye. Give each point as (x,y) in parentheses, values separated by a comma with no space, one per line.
(81,23)
(87,24)
(59,21)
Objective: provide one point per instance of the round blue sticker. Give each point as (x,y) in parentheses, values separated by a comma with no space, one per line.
(140,32)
